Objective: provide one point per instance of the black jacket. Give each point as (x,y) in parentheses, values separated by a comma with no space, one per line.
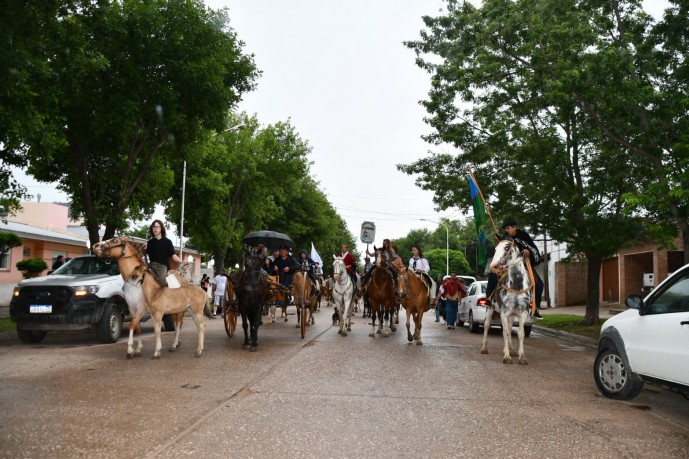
(285,277)
(524,242)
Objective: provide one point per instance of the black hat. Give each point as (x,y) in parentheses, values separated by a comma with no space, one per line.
(283,246)
(509,222)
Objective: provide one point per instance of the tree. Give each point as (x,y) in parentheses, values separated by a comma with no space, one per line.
(129,84)
(504,93)
(8,241)
(437,258)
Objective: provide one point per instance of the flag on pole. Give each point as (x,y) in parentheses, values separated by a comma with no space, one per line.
(315,257)
(480,219)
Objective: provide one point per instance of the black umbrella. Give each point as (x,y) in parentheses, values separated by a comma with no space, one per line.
(270,239)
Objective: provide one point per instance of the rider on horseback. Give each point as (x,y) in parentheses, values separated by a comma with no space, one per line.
(391,259)
(309,266)
(419,264)
(349,261)
(528,248)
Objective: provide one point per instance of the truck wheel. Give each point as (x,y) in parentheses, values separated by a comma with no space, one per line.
(109,328)
(30,336)
(613,377)
(169,323)
(527,330)
(473,326)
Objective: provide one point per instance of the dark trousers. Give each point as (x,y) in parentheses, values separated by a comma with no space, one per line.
(160,272)
(493,282)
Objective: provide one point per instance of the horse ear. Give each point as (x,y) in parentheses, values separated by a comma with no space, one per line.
(374,247)
(334,257)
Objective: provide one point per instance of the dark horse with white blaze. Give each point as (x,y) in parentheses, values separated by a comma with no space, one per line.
(252,291)
(512,297)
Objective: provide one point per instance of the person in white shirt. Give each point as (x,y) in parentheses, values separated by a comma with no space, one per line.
(419,264)
(219,285)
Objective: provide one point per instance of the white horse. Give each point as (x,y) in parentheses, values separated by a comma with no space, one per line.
(512,297)
(343,295)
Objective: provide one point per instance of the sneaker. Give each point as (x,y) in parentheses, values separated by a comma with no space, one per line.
(449,327)
(215,315)
(437,320)
(537,314)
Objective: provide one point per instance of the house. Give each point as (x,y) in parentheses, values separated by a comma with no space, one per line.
(47,232)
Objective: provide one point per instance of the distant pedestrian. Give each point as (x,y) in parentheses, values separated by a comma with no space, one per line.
(439,297)
(219,291)
(454,291)
(59,262)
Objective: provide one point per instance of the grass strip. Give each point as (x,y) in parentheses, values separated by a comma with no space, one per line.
(571,324)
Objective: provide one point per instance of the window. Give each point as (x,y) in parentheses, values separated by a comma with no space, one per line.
(5,262)
(674,299)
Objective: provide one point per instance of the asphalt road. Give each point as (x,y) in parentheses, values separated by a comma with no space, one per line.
(324,396)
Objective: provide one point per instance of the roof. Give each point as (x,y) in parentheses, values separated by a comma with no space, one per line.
(44,234)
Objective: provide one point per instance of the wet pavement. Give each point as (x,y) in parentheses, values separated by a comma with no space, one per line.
(323,396)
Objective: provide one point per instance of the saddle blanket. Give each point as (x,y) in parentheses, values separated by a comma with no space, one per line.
(172,281)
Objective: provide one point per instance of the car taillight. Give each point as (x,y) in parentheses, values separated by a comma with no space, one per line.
(481,302)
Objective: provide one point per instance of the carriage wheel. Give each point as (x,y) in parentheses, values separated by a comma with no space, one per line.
(230,320)
(304,319)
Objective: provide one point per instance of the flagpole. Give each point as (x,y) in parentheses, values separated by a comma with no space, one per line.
(485,204)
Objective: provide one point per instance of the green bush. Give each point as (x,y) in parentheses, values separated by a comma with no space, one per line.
(33,267)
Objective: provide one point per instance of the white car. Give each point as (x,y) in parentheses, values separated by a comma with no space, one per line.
(648,343)
(472,310)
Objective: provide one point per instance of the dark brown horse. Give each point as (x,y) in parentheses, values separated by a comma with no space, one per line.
(414,294)
(381,295)
(253,290)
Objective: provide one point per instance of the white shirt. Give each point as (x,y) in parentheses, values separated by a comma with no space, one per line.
(421,264)
(220,281)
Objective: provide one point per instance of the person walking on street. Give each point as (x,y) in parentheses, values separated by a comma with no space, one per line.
(58,262)
(454,291)
(439,297)
(529,250)
(219,286)
(159,250)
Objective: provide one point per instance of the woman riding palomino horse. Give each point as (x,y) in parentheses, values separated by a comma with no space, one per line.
(512,297)
(414,288)
(160,300)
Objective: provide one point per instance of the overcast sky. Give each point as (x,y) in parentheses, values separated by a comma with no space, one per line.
(339,71)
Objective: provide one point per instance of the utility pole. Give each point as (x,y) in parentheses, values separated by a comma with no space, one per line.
(546,280)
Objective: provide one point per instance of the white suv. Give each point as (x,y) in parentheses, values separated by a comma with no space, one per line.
(648,343)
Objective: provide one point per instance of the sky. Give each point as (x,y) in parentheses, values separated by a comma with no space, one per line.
(340,72)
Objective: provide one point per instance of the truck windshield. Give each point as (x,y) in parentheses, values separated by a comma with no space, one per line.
(88,265)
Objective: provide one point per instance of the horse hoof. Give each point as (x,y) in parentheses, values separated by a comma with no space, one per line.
(379,332)
(385,335)
(372,335)
(339,332)
(484,351)
(296,326)
(419,343)
(155,357)
(245,345)
(343,334)
(410,338)
(197,354)
(523,362)
(507,360)
(252,349)
(137,354)
(393,329)
(130,356)
(172,349)
(285,319)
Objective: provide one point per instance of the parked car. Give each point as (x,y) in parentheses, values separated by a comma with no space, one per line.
(472,310)
(648,343)
(84,293)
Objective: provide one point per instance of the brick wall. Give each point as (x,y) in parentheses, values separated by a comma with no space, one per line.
(571,283)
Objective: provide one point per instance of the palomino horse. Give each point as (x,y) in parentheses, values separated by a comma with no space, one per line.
(512,297)
(160,300)
(381,296)
(343,295)
(303,294)
(414,293)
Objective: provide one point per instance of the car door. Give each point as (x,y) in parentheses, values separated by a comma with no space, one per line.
(466,302)
(658,342)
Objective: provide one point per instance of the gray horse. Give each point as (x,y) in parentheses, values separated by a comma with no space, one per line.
(512,297)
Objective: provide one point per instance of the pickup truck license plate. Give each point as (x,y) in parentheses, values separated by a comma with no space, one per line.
(41,308)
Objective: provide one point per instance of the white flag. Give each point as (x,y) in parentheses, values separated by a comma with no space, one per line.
(314,255)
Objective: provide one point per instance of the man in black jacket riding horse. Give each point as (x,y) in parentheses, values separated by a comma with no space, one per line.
(528,248)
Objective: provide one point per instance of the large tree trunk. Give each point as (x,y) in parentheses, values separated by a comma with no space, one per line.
(219,257)
(592,288)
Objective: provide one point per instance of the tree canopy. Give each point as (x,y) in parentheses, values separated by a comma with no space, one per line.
(118,90)
(547,100)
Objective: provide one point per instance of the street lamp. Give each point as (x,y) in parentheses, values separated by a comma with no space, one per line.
(184,185)
(447,244)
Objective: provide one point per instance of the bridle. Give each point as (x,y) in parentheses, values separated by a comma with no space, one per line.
(106,248)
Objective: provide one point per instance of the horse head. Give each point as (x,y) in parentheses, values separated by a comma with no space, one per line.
(338,268)
(381,261)
(252,268)
(403,283)
(117,247)
(137,275)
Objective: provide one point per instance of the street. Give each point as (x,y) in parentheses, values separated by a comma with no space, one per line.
(324,396)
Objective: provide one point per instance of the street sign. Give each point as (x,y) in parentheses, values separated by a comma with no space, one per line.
(368,232)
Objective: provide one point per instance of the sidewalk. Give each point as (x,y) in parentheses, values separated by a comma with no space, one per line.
(606,310)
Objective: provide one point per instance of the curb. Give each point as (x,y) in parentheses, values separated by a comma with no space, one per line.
(581,340)
(8,336)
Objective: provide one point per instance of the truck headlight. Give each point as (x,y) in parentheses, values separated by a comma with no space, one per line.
(85,290)
(16,291)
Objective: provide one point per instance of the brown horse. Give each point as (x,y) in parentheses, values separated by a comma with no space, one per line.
(414,294)
(303,294)
(160,300)
(381,295)
(327,292)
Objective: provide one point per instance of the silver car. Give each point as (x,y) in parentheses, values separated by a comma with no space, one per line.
(472,310)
